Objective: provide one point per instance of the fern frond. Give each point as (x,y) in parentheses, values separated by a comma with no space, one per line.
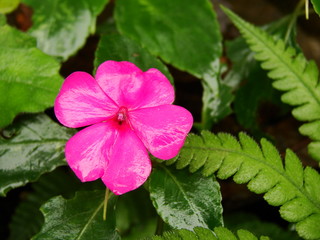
(289,185)
(292,73)
(219,233)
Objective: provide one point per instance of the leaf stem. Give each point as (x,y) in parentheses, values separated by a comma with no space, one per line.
(105,204)
(293,20)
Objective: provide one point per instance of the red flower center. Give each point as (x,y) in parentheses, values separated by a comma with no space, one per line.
(122,115)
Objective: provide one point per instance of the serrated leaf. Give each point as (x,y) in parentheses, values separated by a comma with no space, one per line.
(30,147)
(78,218)
(29,79)
(120,48)
(7,6)
(62,26)
(190,41)
(286,185)
(291,73)
(185,200)
(219,233)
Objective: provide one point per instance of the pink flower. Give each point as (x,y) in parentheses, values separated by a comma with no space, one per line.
(130,112)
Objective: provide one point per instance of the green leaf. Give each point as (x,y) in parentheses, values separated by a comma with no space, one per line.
(185,200)
(30,147)
(185,34)
(199,233)
(62,26)
(27,219)
(287,185)
(291,73)
(29,79)
(78,218)
(250,222)
(136,217)
(316,6)
(7,6)
(119,48)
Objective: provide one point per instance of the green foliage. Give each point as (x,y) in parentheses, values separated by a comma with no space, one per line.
(291,73)
(316,6)
(62,26)
(29,79)
(119,48)
(27,219)
(78,218)
(190,42)
(30,147)
(199,233)
(288,185)
(7,6)
(185,200)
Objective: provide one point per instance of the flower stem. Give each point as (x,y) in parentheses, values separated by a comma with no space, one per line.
(105,205)
(293,20)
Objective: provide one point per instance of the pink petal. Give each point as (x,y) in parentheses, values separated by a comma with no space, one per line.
(128,86)
(162,129)
(81,102)
(87,151)
(129,165)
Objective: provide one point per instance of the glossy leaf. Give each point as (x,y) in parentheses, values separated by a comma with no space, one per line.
(286,184)
(7,6)
(30,147)
(190,40)
(79,218)
(29,79)
(316,6)
(120,48)
(27,219)
(62,26)
(185,200)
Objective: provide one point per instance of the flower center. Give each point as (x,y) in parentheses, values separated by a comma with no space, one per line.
(122,115)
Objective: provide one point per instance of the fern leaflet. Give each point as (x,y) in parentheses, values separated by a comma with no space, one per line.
(288,185)
(219,233)
(291,73)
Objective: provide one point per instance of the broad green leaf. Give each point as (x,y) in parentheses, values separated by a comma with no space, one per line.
(29,79)
(219,233)
(27,219)
(120,48)
(185,200)
(287,185)
(185,34)
(62,26)
(30,147)
(7,6)
(291,73)
(316,6)
(79,218)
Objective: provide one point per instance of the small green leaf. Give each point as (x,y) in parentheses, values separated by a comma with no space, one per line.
(7,6)
(28,148)
(185,200)
(119,48)
(29,79)
(79,218)
(62,26)
(316,6)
